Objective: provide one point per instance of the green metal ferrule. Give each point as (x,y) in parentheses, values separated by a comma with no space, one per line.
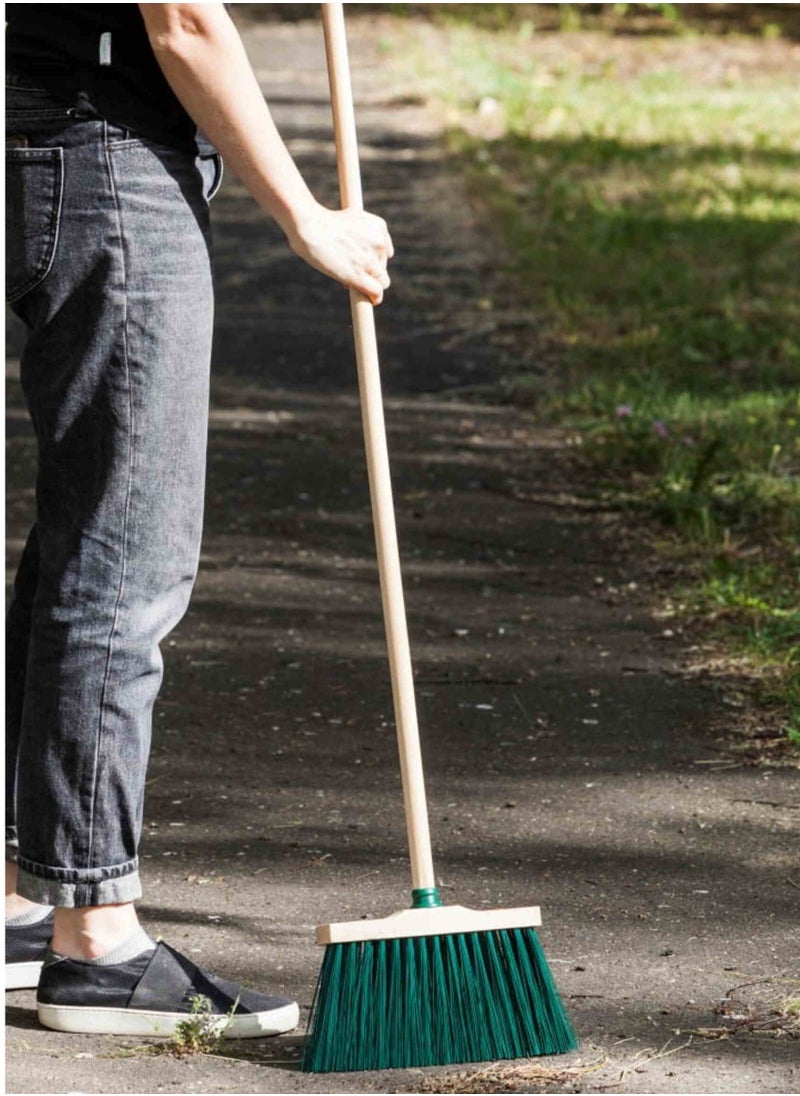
(425,898)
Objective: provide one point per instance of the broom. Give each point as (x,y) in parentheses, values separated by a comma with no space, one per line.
(432,984)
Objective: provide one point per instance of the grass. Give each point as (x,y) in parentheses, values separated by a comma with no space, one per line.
(648,192)
(201,1032)
(766,20)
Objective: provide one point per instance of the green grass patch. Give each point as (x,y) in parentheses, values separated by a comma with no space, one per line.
(765,20)
(715,468)
(649,193)
(753,608)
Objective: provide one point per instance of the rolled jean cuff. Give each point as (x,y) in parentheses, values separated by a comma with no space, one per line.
(78,887)
(12,845)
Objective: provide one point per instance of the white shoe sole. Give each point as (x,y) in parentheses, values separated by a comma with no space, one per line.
(93,1020)
(23,975)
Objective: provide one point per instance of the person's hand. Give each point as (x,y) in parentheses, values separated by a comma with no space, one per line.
(349,245)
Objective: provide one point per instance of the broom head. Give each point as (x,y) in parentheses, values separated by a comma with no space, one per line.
(434,987)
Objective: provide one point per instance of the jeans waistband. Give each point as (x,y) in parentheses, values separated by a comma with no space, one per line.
(60,130)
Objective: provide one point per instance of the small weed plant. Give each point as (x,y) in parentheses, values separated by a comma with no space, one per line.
(202,1031)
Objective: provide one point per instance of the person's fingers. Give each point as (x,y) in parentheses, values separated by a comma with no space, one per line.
(383,240)
(375,270)
(376,257)
(370,287)
(380,275)
(385,246)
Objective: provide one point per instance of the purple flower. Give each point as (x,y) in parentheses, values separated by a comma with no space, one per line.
(660,428)
(687,439)
(623,411)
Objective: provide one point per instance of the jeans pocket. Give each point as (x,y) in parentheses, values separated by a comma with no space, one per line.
(211,167)
(34,192)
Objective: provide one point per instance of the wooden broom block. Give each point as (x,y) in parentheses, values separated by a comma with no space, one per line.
(438,921)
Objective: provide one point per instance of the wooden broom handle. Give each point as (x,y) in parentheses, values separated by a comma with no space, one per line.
(380,485)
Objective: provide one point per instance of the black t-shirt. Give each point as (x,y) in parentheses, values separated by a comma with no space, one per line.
(99,57)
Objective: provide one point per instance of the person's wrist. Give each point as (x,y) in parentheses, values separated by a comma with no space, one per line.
(298,219)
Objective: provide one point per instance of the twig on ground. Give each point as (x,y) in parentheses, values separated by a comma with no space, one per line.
(508,1077)
(779,1019)
(644,1057)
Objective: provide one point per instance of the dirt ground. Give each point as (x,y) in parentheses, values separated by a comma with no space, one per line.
(572,760)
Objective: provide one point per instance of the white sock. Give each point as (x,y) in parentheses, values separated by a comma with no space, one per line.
(30,916)
(127,950)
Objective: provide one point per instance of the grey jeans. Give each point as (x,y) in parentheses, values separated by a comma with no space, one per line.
(109,267)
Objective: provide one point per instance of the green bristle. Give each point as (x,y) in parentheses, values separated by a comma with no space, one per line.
(434,1000)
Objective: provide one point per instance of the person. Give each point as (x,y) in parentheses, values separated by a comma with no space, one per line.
(119,118)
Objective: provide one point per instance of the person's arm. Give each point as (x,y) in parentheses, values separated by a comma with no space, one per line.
(202,57)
